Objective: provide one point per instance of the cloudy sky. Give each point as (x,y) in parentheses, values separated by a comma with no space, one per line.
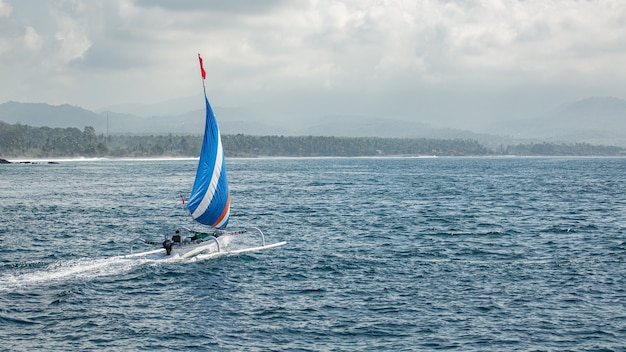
(442,61)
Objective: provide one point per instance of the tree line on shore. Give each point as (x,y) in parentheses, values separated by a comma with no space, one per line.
(44,142)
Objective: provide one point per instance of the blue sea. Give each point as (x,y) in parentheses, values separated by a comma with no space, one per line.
(383,254)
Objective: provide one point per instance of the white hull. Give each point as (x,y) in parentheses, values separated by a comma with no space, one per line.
(208,248)
(211,245)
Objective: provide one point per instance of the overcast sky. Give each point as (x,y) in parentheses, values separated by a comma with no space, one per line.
(428,60)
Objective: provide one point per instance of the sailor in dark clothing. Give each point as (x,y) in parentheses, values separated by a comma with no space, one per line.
(176,239)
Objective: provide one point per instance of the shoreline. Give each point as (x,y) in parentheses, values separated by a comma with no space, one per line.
(21,160)
(35,161)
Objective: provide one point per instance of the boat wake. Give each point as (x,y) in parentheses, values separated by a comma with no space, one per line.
(87,269)
(64,270)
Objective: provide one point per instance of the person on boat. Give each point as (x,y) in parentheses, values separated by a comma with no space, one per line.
(168,243)
(200,236)
(177,238)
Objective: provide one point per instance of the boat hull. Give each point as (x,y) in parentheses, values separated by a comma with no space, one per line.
(193,249)
(209,247)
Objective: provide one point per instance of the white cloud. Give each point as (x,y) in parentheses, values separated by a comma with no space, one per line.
(360,56)
(32,40)
(71,32)
(5,10)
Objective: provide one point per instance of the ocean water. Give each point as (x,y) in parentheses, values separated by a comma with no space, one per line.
(389,254)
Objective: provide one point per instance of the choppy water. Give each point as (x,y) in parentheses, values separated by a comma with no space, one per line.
(462,254)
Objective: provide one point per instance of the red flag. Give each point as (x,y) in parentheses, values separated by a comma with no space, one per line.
(202,67)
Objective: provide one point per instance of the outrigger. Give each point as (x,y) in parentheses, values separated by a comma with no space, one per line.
(201,242)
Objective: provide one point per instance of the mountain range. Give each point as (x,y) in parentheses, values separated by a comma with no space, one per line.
(595,120)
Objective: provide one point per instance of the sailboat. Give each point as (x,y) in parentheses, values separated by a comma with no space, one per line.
(209,202)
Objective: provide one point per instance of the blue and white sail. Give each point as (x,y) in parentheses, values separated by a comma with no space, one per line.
(209,203)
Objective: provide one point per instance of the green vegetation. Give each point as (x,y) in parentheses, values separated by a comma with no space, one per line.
(22,140)
(577,149)
(44,142)
(244,145)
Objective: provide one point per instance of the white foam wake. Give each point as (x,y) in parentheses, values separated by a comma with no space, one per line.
(87,269)
(84,269)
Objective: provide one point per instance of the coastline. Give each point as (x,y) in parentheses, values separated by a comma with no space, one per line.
(36,161)
(23,160)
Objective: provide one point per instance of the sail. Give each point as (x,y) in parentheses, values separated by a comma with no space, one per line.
(209,203)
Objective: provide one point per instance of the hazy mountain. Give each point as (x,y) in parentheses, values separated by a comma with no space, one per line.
(371,126)
(171,107)
(40,114)
(232,121)
(598,120)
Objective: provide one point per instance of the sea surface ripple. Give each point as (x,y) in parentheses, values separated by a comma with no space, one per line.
(383,254)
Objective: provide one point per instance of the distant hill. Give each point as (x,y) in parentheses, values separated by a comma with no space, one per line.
(171,107)
(597,120)
(191,122)
(40,115)
(231,120)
